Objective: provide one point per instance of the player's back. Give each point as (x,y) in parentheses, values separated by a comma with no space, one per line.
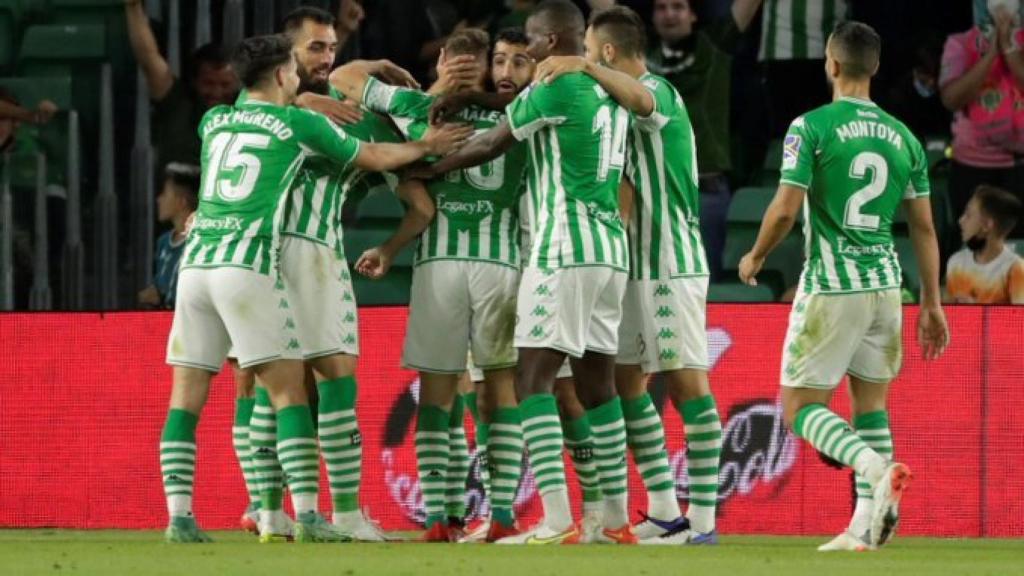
(858,163)
(577,142)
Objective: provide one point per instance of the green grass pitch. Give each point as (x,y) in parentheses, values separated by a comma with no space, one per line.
(109,552)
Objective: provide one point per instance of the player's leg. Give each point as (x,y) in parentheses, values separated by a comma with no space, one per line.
(458,462)
(196,348)
(274,524)
(245,402)
(471,382)
(579,443)
(433,449)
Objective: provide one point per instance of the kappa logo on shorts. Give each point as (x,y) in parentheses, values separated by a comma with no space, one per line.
(346,297)
(540,310)
(293,344)
(350,339)
(662,290)
(542,290)
(537,332)
(283,304)
(349,318)
(667,354)
(664,312)
(289,324)
(666,334)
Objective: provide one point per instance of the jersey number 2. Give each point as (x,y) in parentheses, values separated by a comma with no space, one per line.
(227,154)
(613,139)
(863,162)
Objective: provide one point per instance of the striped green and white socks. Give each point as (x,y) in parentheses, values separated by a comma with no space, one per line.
(832,436)
(645,436)
(340,443)
(610,453)
(432,452)
(240,442)
(263,451)
(505,454)
(579,442)
(178,460)
(873,429)
(703,451)
(542,432)
(482,436)
(458,461)
(299,456)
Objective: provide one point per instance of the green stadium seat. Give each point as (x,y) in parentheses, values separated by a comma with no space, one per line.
(769,173)
(51,138)
(30,91)
(736,292)
(908,262)
(380,204)
(60,46)
(392,290)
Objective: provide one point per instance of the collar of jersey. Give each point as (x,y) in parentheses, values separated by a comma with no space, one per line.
(858,100)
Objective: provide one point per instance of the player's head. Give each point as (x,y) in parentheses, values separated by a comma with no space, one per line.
(852,52)
(615,35)
(315,42)
(511,65)
(990,214)
(180,193)
(213,78)
(267,63)
(555,27)
(470,42)
(673,19)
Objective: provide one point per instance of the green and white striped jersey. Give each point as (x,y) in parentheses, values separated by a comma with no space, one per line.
(477,208)
(577,142)
(664,230)
(798,29)
(313,211)
(251,154)
(857,163)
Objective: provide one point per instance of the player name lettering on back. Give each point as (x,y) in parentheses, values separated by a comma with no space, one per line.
(869,129)
(481,115)
(255,118)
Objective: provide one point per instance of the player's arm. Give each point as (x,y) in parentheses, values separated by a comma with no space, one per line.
(159,78)
(351,79)
(960,91)
(375,262)
(437,141)
(932,332)
(341,112)
(480,149)
(777,223)
(623,88)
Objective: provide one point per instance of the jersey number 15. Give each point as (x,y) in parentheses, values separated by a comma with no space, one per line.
(227,153)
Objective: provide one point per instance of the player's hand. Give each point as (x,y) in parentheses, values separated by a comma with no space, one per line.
(189,222)
(445,138)
(447,105)
(149,296)
(341,112)
(44,112)
(456,72)
(374,263)
(554,66)
(350,14)
(932,331)
(395,75)
(749,267)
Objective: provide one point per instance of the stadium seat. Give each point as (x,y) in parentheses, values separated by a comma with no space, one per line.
(10,24)
(49,47)
(380,204)
(392,290)
(782,269)
(51,138)
(908,262)
(736,292)
(769,174)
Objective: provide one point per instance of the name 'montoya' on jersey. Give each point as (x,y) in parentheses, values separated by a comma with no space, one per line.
(250,157)
(857,163)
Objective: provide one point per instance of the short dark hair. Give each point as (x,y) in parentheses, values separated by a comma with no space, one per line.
(185,178)
(212,54)
(999,205)
(624,27)
(296,18)
(473,41)
(515,36)
(559,16)
(857,47)
(258,55)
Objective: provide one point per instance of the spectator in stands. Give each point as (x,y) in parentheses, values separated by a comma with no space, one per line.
(176,202)
(982,81)
(178,106)
(12,114)
(986,270)
(914,96)
(699,64)
(793,36)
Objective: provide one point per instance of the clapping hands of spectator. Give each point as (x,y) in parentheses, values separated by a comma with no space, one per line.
(1005,28)
(341,112)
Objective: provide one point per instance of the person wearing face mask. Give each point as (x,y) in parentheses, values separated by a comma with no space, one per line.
(914,96)
(986,270)
(982,81)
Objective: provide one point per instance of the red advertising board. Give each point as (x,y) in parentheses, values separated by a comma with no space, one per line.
(84,397)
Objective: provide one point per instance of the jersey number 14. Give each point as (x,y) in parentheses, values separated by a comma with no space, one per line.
(613,139)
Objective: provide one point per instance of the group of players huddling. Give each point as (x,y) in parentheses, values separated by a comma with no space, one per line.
(559,248)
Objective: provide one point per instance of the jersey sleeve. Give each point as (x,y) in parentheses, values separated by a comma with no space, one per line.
(798,154)
(541,105)
(318,135)
(919,186)
(664,106)
(396,101)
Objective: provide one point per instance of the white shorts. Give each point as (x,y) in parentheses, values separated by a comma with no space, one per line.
(477,375)
(571,309)
(456,306)
(831,335)
(664,324)
(230,308)
(320,292)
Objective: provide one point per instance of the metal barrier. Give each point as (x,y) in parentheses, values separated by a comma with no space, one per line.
(41,297)
(234,23)
(6,238)
(106,202)
(73,264)
(140,224)
(203,27)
